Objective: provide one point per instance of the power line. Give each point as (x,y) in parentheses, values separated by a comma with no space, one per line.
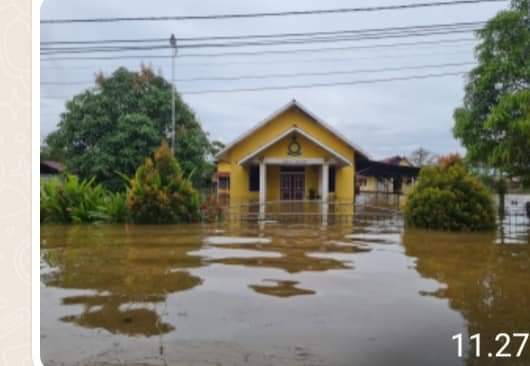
(282,43)
(60,51)
(315,85)
(143,40)
(261,62)
(329,49)
(270,35)
(441,42)
(362,37)
(298,74)
(304,86)
(326,73)
(269,14)
(325,33)
(274,39)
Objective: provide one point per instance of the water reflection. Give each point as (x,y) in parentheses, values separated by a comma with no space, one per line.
(116,316)
(124,274)
(248,283)
(281,288)
(488,283)
(295,249)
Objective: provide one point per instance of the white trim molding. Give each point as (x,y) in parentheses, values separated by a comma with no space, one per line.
(293,103)
(294,161)
(288,132)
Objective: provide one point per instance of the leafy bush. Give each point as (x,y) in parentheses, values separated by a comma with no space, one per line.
(446,197)
(72,201)
(160,194)
(115,207)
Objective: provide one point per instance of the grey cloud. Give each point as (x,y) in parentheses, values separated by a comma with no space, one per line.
(385,118)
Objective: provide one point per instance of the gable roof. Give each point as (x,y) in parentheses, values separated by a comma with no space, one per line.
(302,133)
(292,103)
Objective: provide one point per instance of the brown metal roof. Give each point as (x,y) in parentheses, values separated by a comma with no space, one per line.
(51,166)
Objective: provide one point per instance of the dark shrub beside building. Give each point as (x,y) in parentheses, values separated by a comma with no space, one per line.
(447,197)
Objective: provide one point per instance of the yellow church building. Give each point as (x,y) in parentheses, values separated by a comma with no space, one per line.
(292,155)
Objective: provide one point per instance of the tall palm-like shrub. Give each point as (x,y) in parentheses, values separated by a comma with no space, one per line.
(447,197)
(159,193)
(75,201)
(72,201)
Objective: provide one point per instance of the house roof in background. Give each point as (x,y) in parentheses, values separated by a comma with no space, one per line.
(385,170)
(51,166)
(396,160)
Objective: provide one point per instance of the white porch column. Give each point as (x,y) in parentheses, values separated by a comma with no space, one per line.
(325,188)
(262,188)
(325,181)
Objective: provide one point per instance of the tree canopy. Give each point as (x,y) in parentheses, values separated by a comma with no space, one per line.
(494,121)
(112,127)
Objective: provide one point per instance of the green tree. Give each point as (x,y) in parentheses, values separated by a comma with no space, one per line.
(509,120)
(217,146)
(493,123)
(113,126)
(159,194)
(447,197)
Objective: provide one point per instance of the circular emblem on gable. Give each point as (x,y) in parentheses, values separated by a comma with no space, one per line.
(294,148)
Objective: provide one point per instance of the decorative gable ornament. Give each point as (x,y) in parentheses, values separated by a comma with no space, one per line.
(294,148)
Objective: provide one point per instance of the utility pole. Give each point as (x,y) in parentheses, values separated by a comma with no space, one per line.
(173,44)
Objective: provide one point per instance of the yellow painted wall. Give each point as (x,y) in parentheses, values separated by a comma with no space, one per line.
(371,185)
(293,117)
(311,180)
(307,147)
(273,183)
(288,119)
(344,183)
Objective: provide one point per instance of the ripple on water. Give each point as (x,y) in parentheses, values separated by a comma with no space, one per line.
(222,253)
(360,238)
(225,240)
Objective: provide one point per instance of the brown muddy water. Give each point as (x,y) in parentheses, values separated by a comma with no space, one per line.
(277,294)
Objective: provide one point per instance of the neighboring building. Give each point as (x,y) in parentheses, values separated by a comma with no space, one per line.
(50,168)
(291,155)
(397,160)
(386,178)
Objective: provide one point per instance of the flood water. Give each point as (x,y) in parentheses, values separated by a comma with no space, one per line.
(277,294)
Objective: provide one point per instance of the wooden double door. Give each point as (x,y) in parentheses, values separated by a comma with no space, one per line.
(292,184)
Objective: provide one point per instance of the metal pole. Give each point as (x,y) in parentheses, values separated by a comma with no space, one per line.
(173,43)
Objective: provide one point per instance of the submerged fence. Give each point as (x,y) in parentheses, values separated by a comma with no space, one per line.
(367,210)
(311,212)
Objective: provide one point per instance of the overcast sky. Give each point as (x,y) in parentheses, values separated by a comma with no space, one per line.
(383,118)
